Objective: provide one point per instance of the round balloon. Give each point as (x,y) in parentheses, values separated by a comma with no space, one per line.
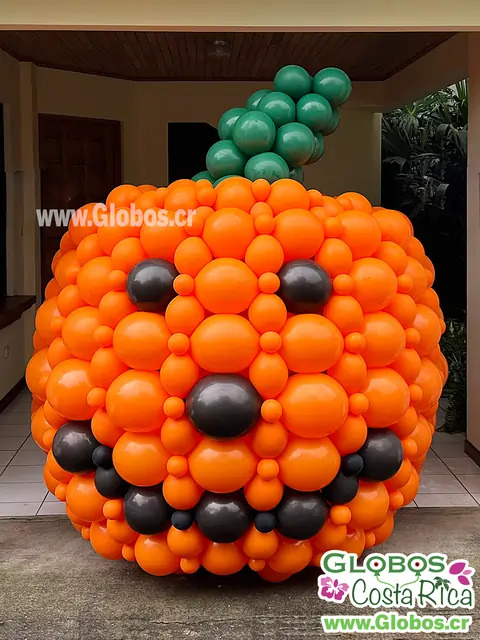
(223,517)
(150,284)
(73,447)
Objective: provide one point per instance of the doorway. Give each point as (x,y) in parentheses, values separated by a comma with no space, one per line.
(80,162)
(188,143)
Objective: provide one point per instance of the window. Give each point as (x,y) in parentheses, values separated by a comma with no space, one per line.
(3,213)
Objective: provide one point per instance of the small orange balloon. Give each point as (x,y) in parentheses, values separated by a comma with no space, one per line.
(184,314)
(350,371)
(103,543)
(375,283)
(223,559)
(78,330)
(93,280)
(267,313)
(345,312)
(335,256)
(287,194)
(370,506)
(191,256)
(264,254)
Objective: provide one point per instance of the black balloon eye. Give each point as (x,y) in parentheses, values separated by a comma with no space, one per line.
(102,457)
(305,286)
(301,515)
(341,490)
(146,510)
(150,284)
(382,455)
(110,484)
(182,520)
(223,517)
(73,447)
(352,464)
(265,521)
(224,406)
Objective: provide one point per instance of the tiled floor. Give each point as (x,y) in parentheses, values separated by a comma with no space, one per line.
(449,478)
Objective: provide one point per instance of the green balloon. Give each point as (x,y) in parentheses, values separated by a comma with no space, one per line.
(269,166)
(225,158)
(295,143)
(203,175)
(333,84)
(314,111)
(279,106)
(332,123)
(254,132)
(318,149)
(222,179)
(254,99)
(293,80)
(227,122)
(297,174)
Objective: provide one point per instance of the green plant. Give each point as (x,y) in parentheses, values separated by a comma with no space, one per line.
(454,348)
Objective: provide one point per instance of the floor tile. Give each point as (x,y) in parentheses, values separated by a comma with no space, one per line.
(445,500)
(14,430)
(411,504)
(477,497)
(18,509)
(435,466)
(22,474)
(5,457)
(450,450)
(14,418)
(51,497)
(11,443)
(441,437)
(440,484)
(440,419)
(26,457)
(460,466)
(52,509)
(443,403)
(472,483)
(22,492)
(30,444)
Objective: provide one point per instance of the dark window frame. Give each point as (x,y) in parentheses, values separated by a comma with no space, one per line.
(3,210)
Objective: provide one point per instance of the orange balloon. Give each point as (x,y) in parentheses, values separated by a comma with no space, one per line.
(179,436)
(361,232)
(264,255)
(410,489)
(88,249)
(84,500)
(186,544)
(430,382)
(184,314)
(264,494)
(384,339)
(127,253)
(224,344)
(403,308)
(269,374)
(388,396)
(228,232)
(269,439)
(309,464)
(37,374)
(419,276)
(313,405)
(395,226)
(140,340)
(114,306)
(393,255)
(428,325)
(191,256)
(234,193)
(103,543)
(93,280)
(350,371)
(162,240)
(335,256)
(154,556)
(370,506)
(67,269)
(375,283)
(123,195)
(140,458)
(135,401)
(181,493)
(226,285)
(222,466)
(47,312)
(407,364)
(179,374)
(68,387)
(310,344)
(287,194)
(299,233)
(291,556)
(267,313)
(121,532)
(345,312)
(104,430)
(78,330)
(223,559)
(57,352)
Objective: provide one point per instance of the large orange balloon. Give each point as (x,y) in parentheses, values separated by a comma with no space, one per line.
(141,459)
(226,285)
(310,343)
(309,464)
(222,466)
(384,339)
(68,387)
(388,396)
(141,341)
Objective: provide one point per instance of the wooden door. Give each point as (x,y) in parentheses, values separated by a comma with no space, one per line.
(80,162)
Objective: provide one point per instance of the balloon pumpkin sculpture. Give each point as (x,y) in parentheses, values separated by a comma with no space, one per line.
(254,388)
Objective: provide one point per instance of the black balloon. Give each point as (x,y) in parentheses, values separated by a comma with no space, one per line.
(182,520)
(102,457)
(224,406)
(341,490)
(150,284)
(73,447)
(223,517)
(352,465)
(305,286)
(301,515)
(265,521)
(146,510)
(109,484)
(382,455)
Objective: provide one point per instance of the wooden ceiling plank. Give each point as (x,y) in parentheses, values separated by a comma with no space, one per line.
(157,53)
(86,43)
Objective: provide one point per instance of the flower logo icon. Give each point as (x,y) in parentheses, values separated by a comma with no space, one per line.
(332,590)
(462,570)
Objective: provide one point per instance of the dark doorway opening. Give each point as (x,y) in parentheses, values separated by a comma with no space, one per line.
(3,212)
(188,143)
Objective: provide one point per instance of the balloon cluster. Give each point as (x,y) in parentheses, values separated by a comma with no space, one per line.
(255,388)
(279,131)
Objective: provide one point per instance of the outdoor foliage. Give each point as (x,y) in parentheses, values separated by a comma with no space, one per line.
(425,176)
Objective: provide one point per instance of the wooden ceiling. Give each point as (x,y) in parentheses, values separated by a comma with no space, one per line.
(183,56)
